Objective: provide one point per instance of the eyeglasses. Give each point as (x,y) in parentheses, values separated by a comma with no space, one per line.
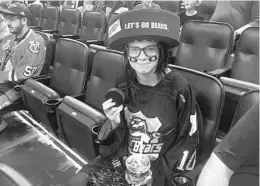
(149,51)
(10,18)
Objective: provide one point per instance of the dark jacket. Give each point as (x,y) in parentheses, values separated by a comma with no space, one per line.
(173,103)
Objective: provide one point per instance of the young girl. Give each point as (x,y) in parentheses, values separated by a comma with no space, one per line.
(159,117)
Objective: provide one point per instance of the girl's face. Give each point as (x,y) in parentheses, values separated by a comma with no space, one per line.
(143,56)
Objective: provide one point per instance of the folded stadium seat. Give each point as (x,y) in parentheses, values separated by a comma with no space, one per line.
(11,177)
(70,21)
(204,46)
(246,59)
(209,94)
(36,11)
(172,6)
(207,9)
(69,77)
(50,52)
(77,116)
(50,19)
(245,103)
(93,27)
(244,74)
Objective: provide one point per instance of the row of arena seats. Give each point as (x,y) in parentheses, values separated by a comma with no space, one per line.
(207,46)
(69,103)
(76,89)
(70,22)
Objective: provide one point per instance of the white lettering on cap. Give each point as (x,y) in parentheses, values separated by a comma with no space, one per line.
(143,24)
(114,28)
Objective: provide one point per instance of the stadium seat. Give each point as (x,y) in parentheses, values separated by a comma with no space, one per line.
(234,90)
(209,93)
(50,19)
(246,59)
(11,177)
(93,27)
(36,11)
(69,77)
(50,52)
(77,116)
(207,9)
(244,74)
(245,103)
(204,46)
(70,21)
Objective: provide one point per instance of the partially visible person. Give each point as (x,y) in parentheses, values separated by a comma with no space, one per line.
(159,118)
(68,4)
(87,6)
(147,4)
(235,161)
(190,12)
(22,54)
(4,32)
(239,14)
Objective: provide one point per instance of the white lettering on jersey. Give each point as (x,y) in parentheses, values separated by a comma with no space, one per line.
(29,71)
(143,134)
(190,163)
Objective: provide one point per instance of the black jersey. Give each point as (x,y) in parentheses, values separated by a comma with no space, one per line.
(158,117)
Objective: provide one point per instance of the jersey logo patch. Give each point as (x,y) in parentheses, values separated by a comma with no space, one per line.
(34,47)
(144,136)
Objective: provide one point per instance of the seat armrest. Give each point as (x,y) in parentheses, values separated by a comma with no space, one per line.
(44,80)
(220,72)
(84,109)
(80,97)
(58,36)
(238,84)
(89,42)
(50,31)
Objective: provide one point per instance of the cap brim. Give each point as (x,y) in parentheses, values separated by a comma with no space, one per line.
(6,11)
(121,43)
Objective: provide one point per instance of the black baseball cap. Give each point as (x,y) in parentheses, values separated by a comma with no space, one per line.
(144,24)
(17,9)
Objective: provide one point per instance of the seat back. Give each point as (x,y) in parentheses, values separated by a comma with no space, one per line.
(245,103)
(107,66)
(50,18)
(50,50)
(172,6)
(209,94)
(207,9)
(70,20)
(204,45)
(36,11)
(93,26)
(246,60)
(70,67)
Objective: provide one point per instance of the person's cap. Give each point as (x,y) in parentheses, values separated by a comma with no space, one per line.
(144,24)
(17,9)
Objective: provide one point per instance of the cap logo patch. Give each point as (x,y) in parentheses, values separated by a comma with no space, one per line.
(12,6)
(114,28)
(151,25)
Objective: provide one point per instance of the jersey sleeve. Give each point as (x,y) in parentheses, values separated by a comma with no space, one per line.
(241,144)
(182,154)
(30,64)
